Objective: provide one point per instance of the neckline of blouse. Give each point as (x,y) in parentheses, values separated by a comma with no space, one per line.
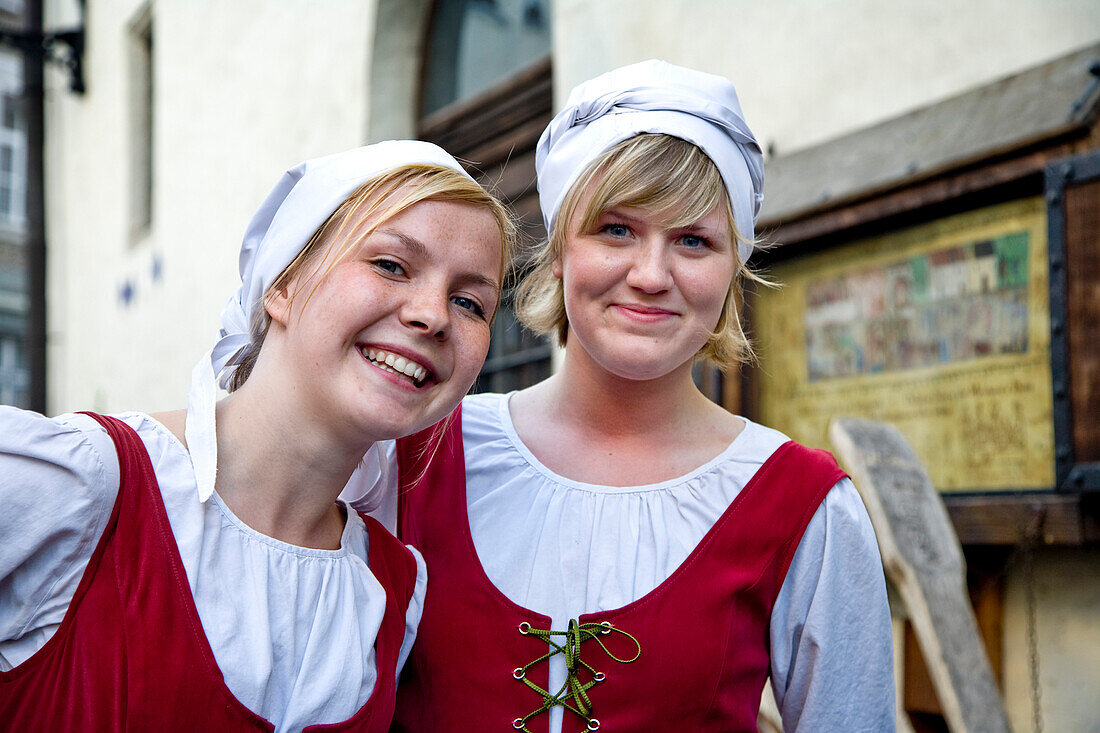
(200,429)
(728,453)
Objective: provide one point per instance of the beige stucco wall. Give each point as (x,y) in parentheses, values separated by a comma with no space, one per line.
(810,70)
(1067,634)
(243,90)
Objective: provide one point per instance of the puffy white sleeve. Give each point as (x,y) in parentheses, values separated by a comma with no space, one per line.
(831,639)
(372,489)
(58,485)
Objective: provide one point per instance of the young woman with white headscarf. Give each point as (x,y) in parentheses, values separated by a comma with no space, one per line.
(194,570)
(609,549)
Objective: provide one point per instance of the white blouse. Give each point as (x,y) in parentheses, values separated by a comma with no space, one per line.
(292,628)
(563,548)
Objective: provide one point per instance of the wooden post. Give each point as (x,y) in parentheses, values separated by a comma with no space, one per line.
(923,559)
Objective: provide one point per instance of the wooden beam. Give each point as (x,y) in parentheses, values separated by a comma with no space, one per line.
(911,198)
(923,559)
(1012,519)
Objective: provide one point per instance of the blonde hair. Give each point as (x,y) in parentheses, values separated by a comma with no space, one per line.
(378,200)
(660,173)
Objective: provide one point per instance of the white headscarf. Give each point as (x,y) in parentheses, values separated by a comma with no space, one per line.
(653,96)
(297,206)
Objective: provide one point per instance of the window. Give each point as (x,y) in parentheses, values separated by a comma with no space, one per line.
(141,123)
(14,377)
(13,371)
(13,145)
(476,43)
(486,97)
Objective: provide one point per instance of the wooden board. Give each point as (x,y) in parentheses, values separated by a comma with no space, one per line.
(1083,323)
(942,329)
(923,559)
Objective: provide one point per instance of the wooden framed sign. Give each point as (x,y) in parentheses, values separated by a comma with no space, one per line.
(942,329)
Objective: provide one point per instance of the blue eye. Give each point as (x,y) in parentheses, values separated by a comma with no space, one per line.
(389,266)
(468,304)
(617,230)
(692,242)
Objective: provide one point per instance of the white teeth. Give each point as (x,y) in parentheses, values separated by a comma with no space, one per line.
(397,364)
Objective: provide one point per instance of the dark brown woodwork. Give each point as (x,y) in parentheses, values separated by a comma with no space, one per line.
(919,695)
(518,106)
(495,133)
(913,198)
(996,519)
(1082,210)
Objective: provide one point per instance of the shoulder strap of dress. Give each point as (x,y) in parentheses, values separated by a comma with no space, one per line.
(781,499)
(430,464)
(401,565)
(121,433)
(133,457)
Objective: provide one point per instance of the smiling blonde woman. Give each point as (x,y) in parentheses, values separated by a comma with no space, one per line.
(193,570)
(609,549)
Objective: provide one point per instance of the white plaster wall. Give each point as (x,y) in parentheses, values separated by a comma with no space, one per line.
(1067,595)
(809,70)
(243,90)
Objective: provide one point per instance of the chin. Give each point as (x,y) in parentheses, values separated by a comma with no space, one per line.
(637,371)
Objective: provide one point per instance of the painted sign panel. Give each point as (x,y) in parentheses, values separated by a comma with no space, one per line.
(942,329)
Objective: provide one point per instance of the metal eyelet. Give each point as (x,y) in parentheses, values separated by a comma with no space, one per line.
(599,677)
(524,628)
(518,724)
(519,673)
(606,627)
(593,724)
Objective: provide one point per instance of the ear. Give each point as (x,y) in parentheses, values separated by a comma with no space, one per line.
(556,267)
(277,304)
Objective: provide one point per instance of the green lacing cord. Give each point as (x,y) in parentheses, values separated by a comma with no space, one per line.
(573,695)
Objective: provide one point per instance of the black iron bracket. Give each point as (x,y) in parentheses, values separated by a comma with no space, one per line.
(1080,103)
(65,48)
(1070,474)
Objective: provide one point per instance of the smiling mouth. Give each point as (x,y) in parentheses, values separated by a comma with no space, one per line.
(399,365)
(644,312)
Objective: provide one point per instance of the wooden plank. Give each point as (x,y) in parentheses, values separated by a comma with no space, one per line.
(923,559)
(1082,202)
(1025,109)
(911,198)
(1012,519)
(505,89)
(465,125)
(768,719)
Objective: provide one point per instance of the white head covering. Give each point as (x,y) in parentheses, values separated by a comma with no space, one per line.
(301,201)
(653,96)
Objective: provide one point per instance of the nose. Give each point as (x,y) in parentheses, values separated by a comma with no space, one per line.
(428,313)
(649,271)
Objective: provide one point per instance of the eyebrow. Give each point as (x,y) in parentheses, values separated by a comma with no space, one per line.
(619,213)
(419,249)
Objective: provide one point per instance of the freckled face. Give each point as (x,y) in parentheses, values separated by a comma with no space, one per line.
(642,298)
(396,332)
